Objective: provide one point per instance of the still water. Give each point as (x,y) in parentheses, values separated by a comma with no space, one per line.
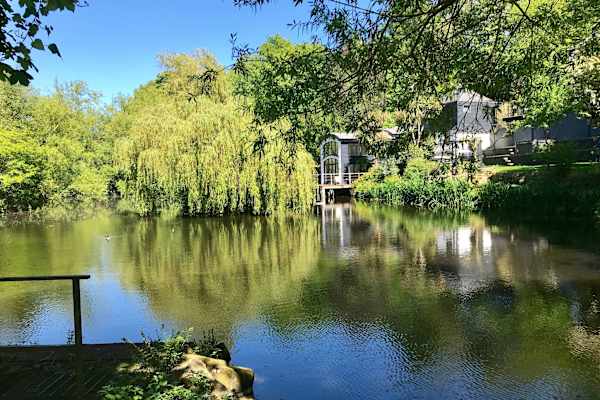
(360,302)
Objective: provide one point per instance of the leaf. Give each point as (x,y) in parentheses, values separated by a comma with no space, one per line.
(33,30)
(19,76)
(37,44)
(54,49)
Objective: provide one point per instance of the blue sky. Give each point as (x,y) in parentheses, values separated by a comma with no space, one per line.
(113,44)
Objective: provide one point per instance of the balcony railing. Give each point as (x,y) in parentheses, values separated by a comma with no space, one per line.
(345,179)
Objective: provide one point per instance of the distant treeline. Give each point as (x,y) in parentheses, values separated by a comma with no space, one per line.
(182,142)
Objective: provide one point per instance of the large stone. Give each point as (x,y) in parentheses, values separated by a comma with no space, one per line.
(226,379)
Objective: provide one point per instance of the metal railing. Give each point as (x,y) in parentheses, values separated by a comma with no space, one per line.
(352,176)
(76,296)
(346,178)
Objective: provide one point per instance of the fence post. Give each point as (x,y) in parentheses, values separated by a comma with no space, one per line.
(76,296)
(77,312)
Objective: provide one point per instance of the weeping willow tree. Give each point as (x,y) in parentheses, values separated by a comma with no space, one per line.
(188,145)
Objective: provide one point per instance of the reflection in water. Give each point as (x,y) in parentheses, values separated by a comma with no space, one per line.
(358,302)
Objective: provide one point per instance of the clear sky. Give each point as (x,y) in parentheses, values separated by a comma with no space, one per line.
(112,44)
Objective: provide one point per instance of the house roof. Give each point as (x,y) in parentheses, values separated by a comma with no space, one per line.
(345,135)
(466,97)
(385,134)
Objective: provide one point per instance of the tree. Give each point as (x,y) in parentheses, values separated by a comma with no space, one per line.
(21,28)
(287,82)
(195,151)
(524,51)
(21,172)
(418,118)
(587,84)
(56,146)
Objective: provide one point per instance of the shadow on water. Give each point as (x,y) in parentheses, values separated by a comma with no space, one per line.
(357,302)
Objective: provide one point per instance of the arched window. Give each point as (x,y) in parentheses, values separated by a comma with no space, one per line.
(330,148)
(331,165)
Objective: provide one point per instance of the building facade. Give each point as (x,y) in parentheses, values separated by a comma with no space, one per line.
(471,129)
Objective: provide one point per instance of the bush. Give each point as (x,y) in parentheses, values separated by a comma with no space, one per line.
(22,166)
(152,378)
(560,153)
(546,192)
(419,168)
(420,188)
(541,199)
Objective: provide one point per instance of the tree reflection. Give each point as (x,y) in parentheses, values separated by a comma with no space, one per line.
(453,293)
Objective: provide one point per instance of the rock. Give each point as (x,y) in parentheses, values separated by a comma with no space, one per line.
(227,380)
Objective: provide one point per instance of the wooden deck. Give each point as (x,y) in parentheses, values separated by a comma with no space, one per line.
(334,182)
(59,372)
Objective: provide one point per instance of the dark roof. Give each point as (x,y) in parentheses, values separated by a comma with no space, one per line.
(467,96)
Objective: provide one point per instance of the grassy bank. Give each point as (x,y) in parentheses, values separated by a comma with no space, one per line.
(543,191)
(564,192)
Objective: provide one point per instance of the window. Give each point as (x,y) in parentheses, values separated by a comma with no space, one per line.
(356,149)
(331,165)
(330,149)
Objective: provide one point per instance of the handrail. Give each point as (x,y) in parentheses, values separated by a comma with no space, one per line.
(44,278)
(76,296)
(345,178)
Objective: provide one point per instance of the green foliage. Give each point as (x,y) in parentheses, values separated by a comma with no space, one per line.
(64,133)
(548,200)
(560,153)
(159,355)
(21,26)
(21,172)
(470,166)
(421,117)
(182,144)
(550,192)
(419,168)
(537,54)
(287,83)
(418,187)
(156,387)
(152,378)
(587,84)
(203,155)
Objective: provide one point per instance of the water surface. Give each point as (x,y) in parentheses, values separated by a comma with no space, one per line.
(358,302)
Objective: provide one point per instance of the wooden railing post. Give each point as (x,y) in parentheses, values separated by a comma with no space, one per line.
(77,312)
(76,296)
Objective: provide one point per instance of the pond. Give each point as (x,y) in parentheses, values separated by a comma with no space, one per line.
(357,302)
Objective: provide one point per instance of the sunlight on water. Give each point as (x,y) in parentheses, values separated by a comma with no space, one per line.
(356,302)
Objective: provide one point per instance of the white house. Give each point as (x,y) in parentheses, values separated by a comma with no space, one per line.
(343,159)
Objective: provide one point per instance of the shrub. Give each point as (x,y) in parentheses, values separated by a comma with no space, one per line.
(419,168)
(22,169)
(549,192)
(541,199)
(152,379)
(493,195)
(418,187)
(560,153)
